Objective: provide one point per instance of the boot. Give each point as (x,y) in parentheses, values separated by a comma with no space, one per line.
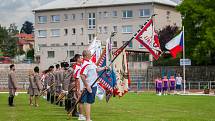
(48,96)
(9,100)
(69,105)
(52,99)
(12,101)
(66,104)
(61,104)
(75,112)
(56,98)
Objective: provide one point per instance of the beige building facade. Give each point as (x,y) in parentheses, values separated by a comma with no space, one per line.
(62,30)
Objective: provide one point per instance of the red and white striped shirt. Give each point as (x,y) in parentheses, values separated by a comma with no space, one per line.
(88,69)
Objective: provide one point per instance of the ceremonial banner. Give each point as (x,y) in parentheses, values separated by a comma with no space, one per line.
(121,70)
(108,79)
(95,49)
(149,39)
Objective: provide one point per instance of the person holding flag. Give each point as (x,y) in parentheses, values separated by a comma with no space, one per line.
(88,75)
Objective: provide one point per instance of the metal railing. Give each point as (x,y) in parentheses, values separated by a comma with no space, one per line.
(137,86)
(194,85)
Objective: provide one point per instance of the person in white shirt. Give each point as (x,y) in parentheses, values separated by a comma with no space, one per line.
(178,82)
(88,75)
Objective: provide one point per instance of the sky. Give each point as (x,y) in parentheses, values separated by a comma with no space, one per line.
(19,11)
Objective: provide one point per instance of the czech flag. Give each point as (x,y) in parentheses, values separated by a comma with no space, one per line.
(175,45)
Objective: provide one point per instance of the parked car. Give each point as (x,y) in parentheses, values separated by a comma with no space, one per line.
(5,60)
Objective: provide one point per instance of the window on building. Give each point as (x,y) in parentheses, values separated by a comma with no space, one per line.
(130,45)
(51,54)
(42,19)
(114,28)
(82,31)
(42,33)
(70,53)
(114,43)
(114,13)
(167,12)
(65,32)
(105,30)
(105,14)
(55,32)
(127,29)
(144,12)
(73,17)
(91,37)
(127,14)
(100,30)
(66,17)
(73,31)
(82,16)
(65,44)
(55,18)
(168,15)
(100,15)
(73,44)
(91,20)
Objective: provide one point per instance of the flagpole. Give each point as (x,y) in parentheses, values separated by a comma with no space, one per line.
(184,62)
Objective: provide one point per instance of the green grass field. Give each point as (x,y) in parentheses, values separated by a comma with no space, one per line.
(132,107)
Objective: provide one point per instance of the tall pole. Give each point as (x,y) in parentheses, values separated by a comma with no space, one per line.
(184,62)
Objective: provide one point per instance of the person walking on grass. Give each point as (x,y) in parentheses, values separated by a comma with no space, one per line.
(12,85)
(35,86)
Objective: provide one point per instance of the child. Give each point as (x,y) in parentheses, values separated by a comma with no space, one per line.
(156,85)
(172,83)
(159,86)
(165,85)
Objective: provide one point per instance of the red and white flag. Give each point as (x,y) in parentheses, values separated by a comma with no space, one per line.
(149,39)
(95,49)
(175,45)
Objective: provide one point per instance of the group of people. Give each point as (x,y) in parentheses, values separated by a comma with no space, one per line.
(73,86)
(165,86)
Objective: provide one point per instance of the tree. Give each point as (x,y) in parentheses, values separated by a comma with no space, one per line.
(12,30)
(199,30)
(27,28)
(8,42)
(30,54)
(166,34)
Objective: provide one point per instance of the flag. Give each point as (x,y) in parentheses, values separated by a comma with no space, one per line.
(175,45)
(100,92)
(149,39)
(121,70)
(108,51)
(108,79)
(95,49)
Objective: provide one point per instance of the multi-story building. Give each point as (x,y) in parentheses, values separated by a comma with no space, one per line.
(66,27)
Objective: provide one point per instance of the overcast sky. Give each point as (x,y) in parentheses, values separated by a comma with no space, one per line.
(18,11)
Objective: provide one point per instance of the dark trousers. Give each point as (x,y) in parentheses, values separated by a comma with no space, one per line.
(48,96)
(10,100)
